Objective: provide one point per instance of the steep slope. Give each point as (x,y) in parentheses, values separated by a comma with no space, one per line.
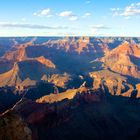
(5,65)
(18,67)
(13,127)
(98,122)
(60,80)
(75,119)
(49,58)
(27,83)
(123,60)
(11,77)
(18,52)
(79,45)
(110,82)
(45,62)
(32,69)
(138,88)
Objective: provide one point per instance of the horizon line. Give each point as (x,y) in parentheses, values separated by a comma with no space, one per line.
(71,36)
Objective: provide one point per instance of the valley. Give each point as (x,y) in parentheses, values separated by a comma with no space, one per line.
(50,85)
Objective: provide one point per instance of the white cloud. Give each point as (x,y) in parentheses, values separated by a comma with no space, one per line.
(73,18)
(69,14)
(66,14)
(87,15)
(131,10)
(43,13)
(29,26)
(100,26)
(114,9)
(97,29)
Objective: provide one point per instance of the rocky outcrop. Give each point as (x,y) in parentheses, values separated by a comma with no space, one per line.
(11,77)
(45,62)
(22,71)
(138,89)
(60,80)
(69,94)
(80,45)
(48,59)
(13,127)
(109,82)
(71,118)
(124,59)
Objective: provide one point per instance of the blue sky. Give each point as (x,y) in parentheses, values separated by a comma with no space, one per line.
(70,17)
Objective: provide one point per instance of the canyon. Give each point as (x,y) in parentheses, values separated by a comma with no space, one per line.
(51,86)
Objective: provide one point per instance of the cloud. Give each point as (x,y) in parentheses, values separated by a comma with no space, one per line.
(66,14)
(96,29)
(100,26)
(131,10)
(47,13)
(87,15)
(115,11)
(73,18)
(30,26)
(43,13)
(69,14)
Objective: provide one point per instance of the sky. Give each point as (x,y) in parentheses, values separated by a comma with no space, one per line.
(70,18)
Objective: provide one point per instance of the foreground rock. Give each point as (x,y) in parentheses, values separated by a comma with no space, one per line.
(13,127)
